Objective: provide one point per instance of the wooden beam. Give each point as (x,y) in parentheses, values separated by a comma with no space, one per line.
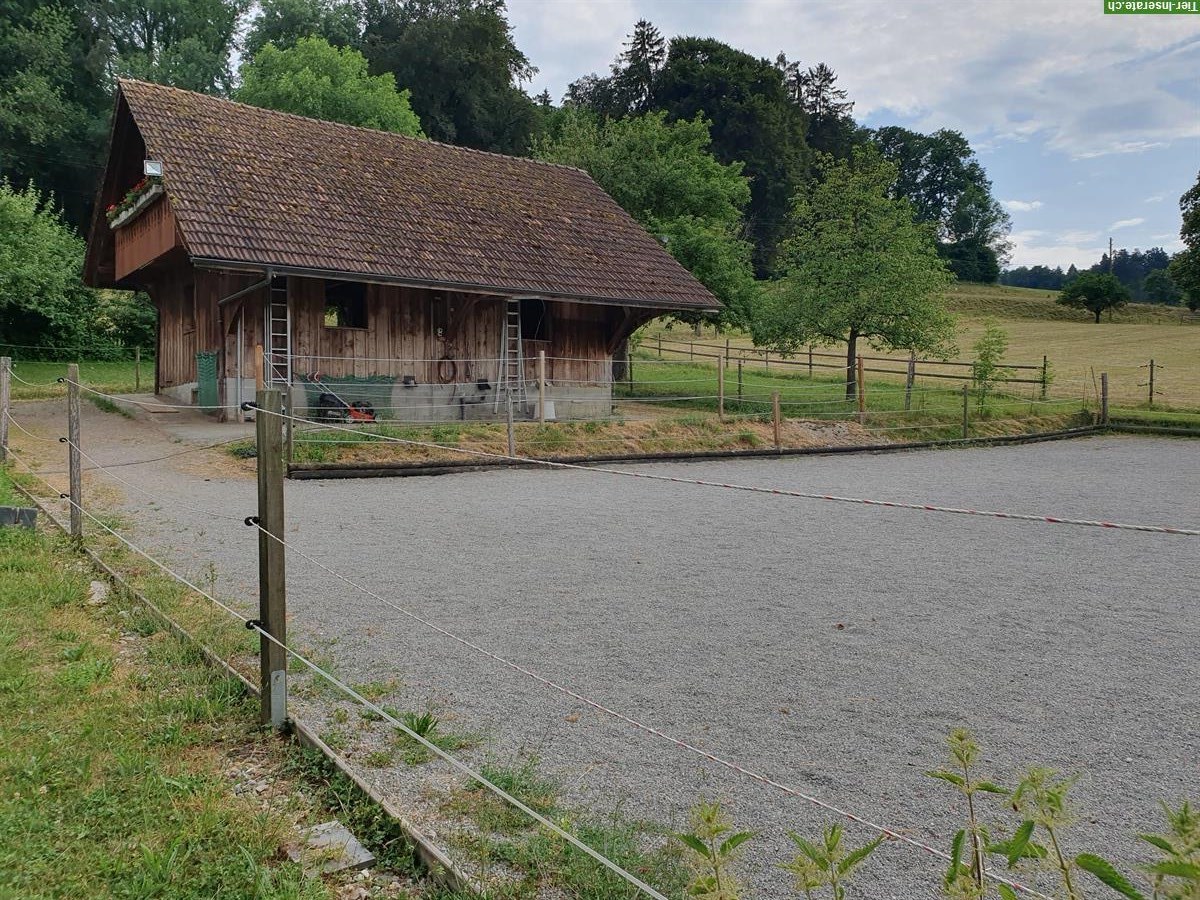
(632,319)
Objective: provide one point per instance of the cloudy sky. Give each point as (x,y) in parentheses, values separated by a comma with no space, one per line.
(1088,124)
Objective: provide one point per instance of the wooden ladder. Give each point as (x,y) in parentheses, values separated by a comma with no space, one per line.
(279,336)
(512,358)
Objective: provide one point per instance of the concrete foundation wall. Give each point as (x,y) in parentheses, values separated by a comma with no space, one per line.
(425,402)
(460,402)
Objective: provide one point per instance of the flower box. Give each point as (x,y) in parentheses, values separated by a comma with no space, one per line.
(139,197)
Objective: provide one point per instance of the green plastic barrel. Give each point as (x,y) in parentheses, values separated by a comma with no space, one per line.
(206,378)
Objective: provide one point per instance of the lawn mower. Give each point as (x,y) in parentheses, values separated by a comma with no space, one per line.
(332,408)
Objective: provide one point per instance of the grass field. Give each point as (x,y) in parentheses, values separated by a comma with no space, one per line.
(113,765)
(1075,346)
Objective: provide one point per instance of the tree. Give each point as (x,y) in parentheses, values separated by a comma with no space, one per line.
(1160,287)
(830,127)
(43,301)
(54,107)
(753,122)
(1185,266)
(284,22)
(858,266)
(629,88)
(316,79)
(184,43)
(663,175)
(460,62)
(1094,292)
(940,176)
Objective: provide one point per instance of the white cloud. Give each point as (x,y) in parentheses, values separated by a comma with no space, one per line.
(1022,205)
(1125,223)
(1040,248)
(1085,84)
(1157,198)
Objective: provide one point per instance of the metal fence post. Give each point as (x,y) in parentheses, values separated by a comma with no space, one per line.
(966,394)
(272,594)
(1045,375)
(5,399)
(74,469)
(1103,398)
(1151,382)
(810,364)
(137,370)
(739,380)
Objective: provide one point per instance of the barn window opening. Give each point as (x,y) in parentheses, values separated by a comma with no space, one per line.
(345,304)
(535,320)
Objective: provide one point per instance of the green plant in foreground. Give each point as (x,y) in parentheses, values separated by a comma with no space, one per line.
(1041,798)
(969,880)
(986,369)
(819,865)
(1177,875)
(423,725)
(713,852)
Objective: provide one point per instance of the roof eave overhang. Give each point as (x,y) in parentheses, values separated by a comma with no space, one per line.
(202,262)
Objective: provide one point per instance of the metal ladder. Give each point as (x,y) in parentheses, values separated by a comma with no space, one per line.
(512,358)
(279,337)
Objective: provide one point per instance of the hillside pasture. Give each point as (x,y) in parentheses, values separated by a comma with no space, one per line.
(1078,349)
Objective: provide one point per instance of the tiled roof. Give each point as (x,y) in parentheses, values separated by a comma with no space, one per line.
(255,186)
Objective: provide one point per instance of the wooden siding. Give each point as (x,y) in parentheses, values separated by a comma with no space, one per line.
(409,331)
(146,238)
(402,336)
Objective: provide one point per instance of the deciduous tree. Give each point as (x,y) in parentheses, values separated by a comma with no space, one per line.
(1095,292)
(284,22)
(858,267)
(663,175)
(316,79)
(948,187)
(459,60)
(42,298)
(1185,266)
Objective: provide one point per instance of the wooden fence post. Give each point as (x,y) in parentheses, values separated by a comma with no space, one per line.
(721,388)
(1151,382)
(1045,375)
(810,365)
(909,378)
(541,376)
(862,392)
(137,370)
(775,417)
(660,347)
(5,401)
(260,368)
(1103,398)
(966,397)
(74,469)
(512,438)
(272,575)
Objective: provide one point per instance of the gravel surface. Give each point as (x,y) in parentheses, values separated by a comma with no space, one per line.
(827,645)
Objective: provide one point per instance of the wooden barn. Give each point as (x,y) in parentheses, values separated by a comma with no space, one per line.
(422,278)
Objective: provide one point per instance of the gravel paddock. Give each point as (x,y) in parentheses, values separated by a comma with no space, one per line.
(828,645)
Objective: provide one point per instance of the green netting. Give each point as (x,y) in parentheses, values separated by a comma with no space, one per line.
(206,378)
(373,389)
